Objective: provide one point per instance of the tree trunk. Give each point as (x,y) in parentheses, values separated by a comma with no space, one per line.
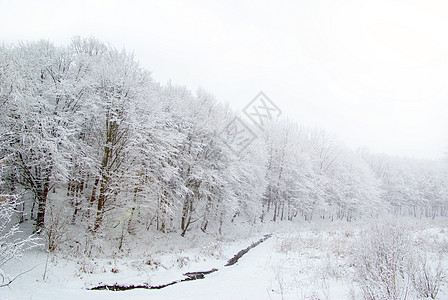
(102,197)
(42,201)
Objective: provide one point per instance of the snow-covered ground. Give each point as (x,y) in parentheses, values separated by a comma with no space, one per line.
(300,261)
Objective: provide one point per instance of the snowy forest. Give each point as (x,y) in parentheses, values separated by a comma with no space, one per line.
(96,156)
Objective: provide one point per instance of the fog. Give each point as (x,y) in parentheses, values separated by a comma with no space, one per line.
(372,72)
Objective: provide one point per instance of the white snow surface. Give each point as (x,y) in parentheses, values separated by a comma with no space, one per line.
(300,261)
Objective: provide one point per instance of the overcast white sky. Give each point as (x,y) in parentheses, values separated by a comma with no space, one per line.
(375,72)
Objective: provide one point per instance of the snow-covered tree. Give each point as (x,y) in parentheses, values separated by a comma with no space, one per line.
(121,154)
(12,245)
(39,119)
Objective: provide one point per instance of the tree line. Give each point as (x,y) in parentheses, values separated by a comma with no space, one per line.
(87,133)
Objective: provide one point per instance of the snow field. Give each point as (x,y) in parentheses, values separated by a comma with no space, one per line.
(300,261)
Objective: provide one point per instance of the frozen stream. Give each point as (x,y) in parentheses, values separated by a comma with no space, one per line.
(189,276)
